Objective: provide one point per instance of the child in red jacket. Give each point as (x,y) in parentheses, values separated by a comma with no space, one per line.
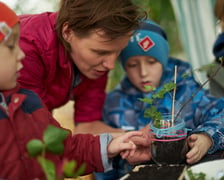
(24,117)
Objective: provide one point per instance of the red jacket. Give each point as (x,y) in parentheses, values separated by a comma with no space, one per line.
(49,72)
(26,118)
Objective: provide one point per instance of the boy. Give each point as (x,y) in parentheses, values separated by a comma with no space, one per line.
(24,117)
(217,83)
(146,62)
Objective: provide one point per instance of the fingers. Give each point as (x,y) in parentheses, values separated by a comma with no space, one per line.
(194,155)
(141,140)
(130,134)
(141,154)
(128,146)
(192,140)
(124,154)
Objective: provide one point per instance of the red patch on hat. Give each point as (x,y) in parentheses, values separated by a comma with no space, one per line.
(146,43)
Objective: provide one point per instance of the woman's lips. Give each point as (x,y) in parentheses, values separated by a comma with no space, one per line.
(100,73)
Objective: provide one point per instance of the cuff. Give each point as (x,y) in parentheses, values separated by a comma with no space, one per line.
(105,139)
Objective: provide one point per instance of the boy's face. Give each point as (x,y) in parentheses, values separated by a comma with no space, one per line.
(10,60)
(95,54)
(144,71)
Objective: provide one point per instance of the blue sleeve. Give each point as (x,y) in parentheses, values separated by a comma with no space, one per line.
(210,119)
(204,113)
(207,113)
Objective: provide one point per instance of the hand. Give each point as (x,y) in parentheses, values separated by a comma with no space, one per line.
(141,154)
(124,142)
(199,145)
(145,129)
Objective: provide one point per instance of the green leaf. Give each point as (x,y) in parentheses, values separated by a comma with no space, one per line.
(206,67)
(166,88)
(185,75)
(196,176)
(34,147)
(148,88)
(69,169)
(80,171)
(169,86)
(146,100)
(53,139)
(48,168)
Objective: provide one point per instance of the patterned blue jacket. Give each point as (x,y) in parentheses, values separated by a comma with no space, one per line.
(204,113)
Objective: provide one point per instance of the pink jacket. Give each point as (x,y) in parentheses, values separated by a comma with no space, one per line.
(23,118)
(50,73)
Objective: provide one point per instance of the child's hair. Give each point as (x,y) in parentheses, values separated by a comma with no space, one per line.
(7,20)
(219,9)
(149,40)
(115,17)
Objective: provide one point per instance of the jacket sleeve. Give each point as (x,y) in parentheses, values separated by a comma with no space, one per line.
(204,113)
(89,149)
(83,148)
(209,118)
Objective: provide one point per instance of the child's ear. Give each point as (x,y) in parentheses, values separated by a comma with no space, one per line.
(67,33)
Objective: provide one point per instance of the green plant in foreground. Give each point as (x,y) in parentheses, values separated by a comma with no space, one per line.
(52,142)
(152,111)
(199,176)
(196,176)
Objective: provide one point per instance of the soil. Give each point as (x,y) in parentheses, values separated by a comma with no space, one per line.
(155,172)
(171,152)
(169,157)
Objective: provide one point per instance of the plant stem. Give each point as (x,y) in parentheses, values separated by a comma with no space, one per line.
(210,77)
(174,93)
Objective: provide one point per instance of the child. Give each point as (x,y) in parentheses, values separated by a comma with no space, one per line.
(24,117)
(146,62)
(217,84)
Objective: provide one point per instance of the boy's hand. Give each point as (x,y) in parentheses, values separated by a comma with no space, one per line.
(199,145)
(127,142)
(143,152)
(139,155)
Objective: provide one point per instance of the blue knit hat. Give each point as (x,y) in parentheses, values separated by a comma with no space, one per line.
(149,40)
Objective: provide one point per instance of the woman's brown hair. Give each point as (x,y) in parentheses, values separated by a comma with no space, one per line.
(219,9)
(115,17)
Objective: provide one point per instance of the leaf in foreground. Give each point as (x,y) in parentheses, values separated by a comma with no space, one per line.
(48,168)
(53,139)
(34,147)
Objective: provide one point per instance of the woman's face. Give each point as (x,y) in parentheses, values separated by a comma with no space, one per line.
(10,60)
(144,71)
(95,54)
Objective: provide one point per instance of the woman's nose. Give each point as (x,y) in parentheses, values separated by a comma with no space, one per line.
(109,62)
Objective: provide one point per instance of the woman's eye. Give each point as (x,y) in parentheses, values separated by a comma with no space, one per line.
(11,47)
